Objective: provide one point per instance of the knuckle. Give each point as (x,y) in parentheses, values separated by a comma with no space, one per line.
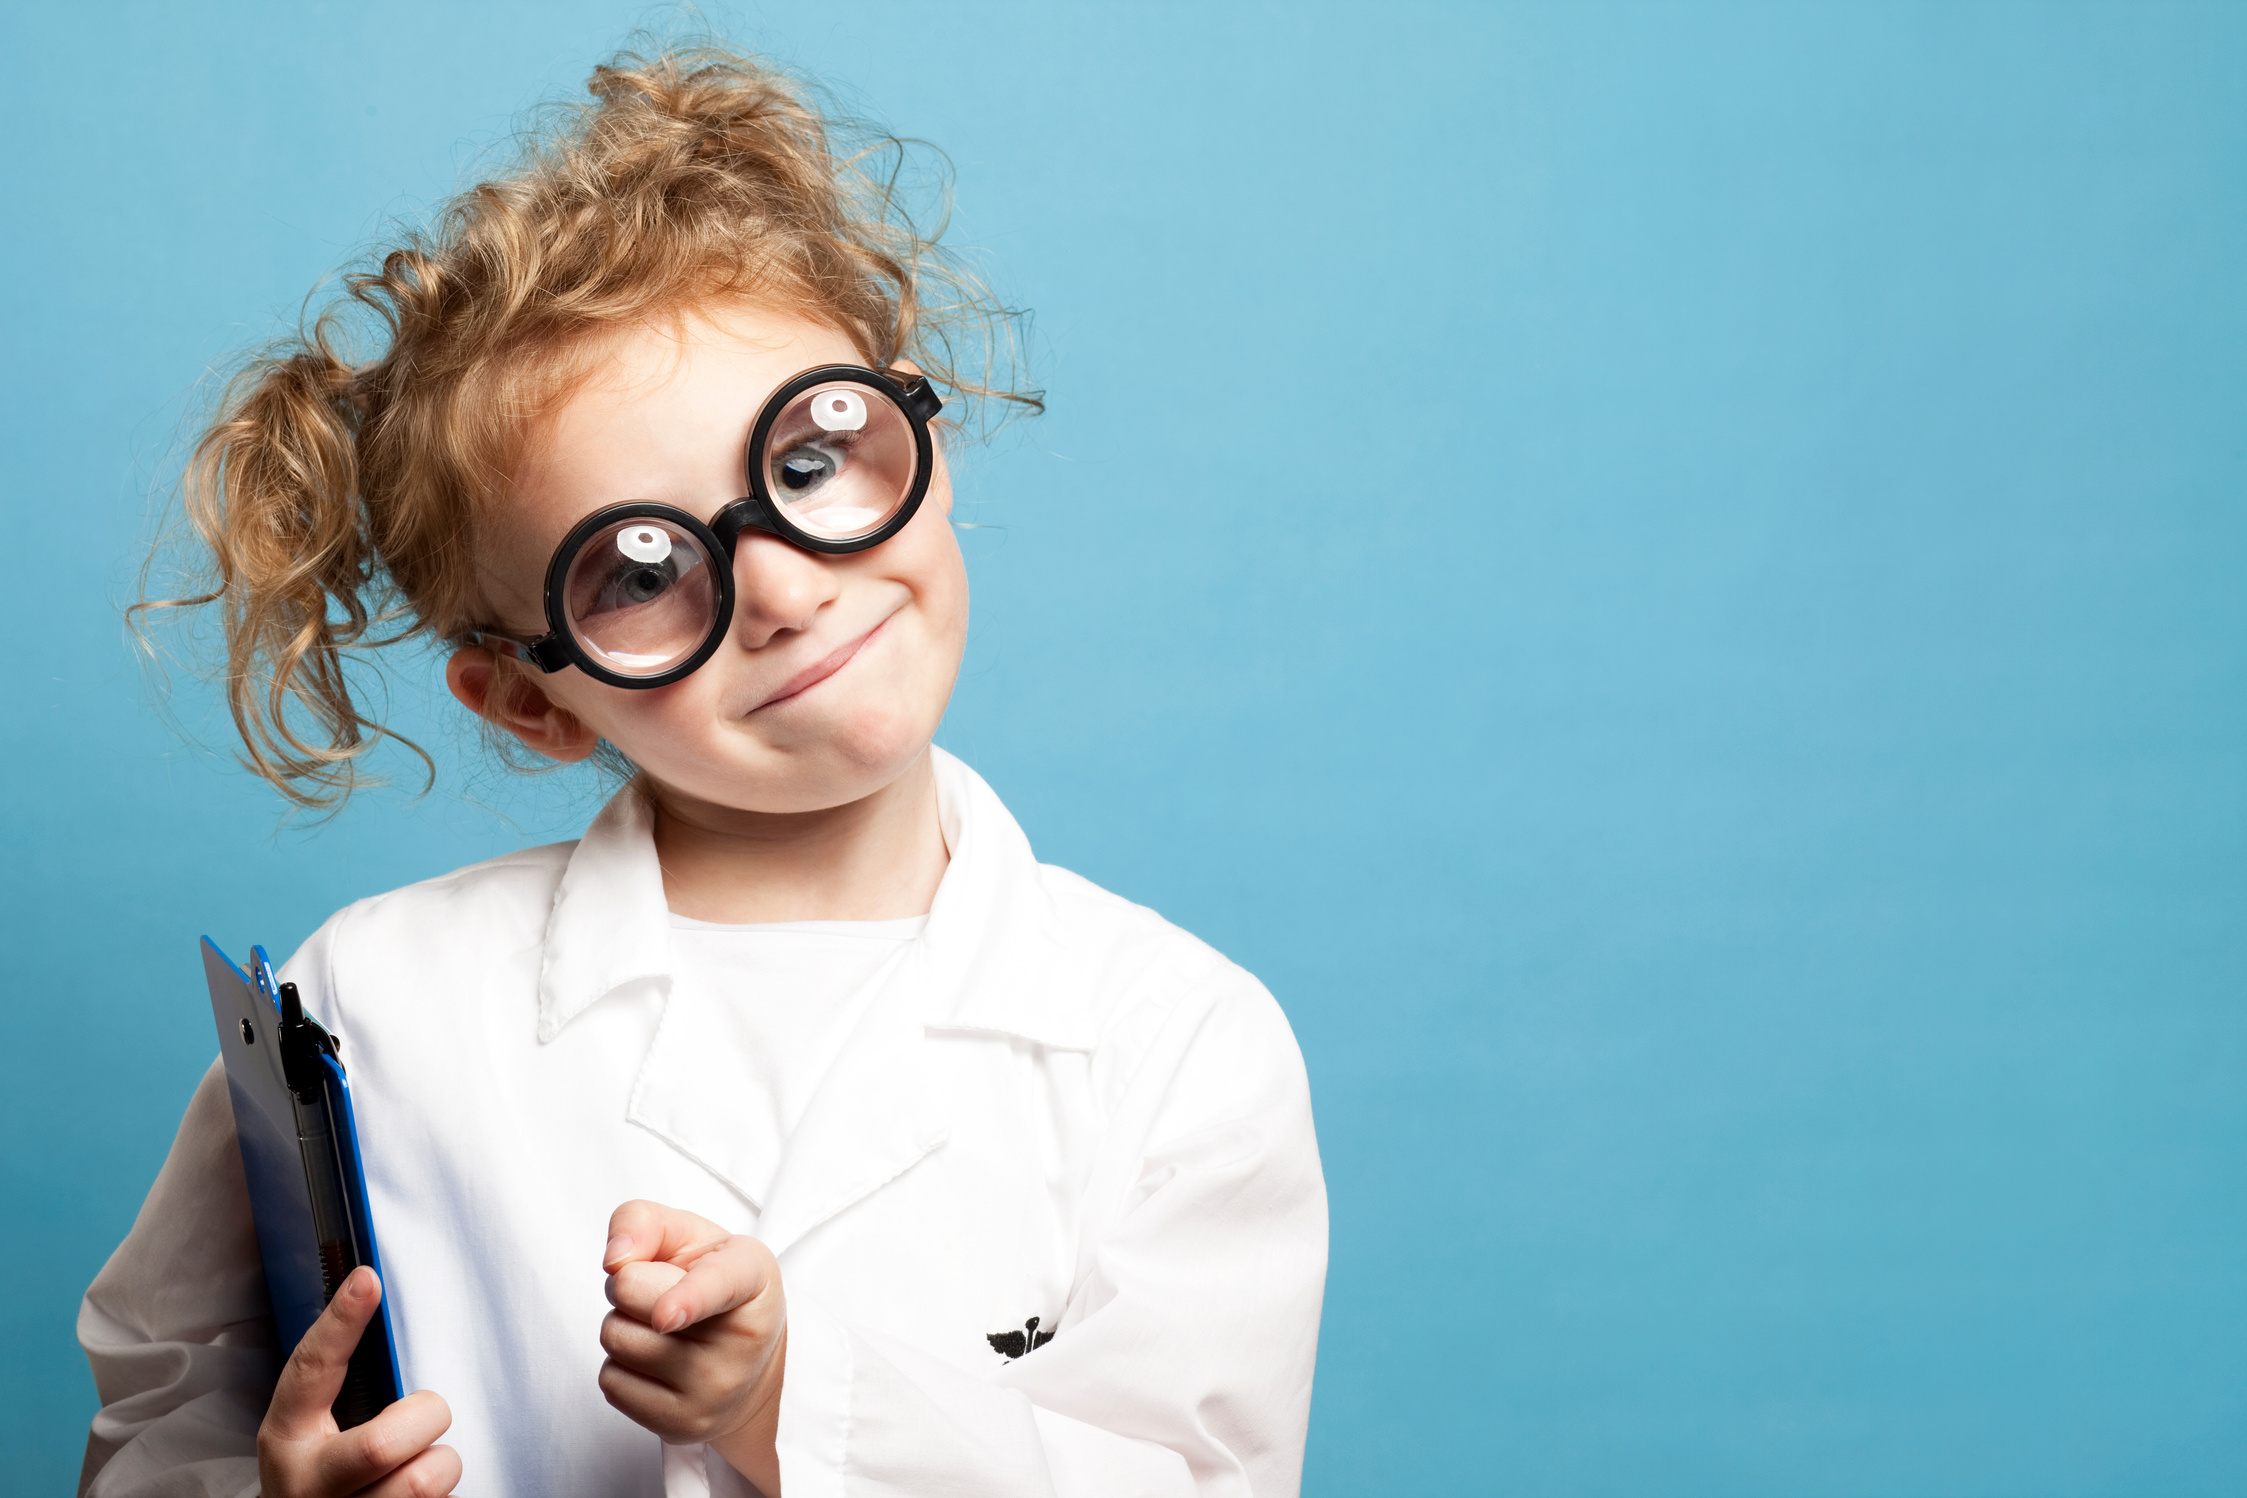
(311,1357)
(629,1399)
(376,1453)
(384,1446)
(619,1336)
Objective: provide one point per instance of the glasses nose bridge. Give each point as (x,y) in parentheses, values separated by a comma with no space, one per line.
(747,513)
(744,514)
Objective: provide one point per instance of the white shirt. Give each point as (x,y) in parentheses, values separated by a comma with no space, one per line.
(1053,1104)
(789,994)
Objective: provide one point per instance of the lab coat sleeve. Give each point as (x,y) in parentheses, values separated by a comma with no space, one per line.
(1182,1362)
(178,1329)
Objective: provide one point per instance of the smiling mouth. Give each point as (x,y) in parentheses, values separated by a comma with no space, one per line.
(818,671)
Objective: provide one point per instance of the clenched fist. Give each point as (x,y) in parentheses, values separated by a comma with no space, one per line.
(697,1343)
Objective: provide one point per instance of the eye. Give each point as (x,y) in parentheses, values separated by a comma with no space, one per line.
(803,469)
(633,583)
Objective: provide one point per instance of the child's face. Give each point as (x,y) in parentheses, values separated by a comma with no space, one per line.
(837,668)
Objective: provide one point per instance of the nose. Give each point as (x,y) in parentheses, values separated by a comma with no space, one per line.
(778,589)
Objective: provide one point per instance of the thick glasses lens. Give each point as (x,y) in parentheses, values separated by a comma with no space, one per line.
(640,596)
(840,461)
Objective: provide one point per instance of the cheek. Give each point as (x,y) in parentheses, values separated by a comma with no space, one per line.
(930,564)
(947,606)
(906,696)
(904,699)
(628,719)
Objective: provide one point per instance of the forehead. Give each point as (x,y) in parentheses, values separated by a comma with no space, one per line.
(661,411)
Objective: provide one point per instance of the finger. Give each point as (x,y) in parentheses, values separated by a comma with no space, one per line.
(635,1345)
(314,1373)
(648,1403)
(433,1474)
(644,1230)
(732,1274)
(634,1288)
(392,1440)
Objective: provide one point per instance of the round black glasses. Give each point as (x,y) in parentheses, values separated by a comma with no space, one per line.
(639,595)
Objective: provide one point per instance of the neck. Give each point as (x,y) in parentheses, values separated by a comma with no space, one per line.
(875,859)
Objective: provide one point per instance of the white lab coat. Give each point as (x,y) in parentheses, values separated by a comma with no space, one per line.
(1058,1105)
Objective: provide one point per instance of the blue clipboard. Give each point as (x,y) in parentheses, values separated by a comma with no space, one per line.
(300,1151)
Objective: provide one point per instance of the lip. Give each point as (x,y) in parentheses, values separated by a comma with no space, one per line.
(819,670)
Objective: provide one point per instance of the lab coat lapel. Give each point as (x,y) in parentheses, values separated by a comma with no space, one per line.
(689,1093)
(876,1115)
(985,962)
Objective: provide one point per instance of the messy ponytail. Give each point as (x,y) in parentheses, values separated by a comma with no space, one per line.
(336,502)
(273,491)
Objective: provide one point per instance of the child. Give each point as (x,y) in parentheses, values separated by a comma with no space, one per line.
(794,1131)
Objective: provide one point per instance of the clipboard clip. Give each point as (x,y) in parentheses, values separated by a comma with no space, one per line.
(303,1043)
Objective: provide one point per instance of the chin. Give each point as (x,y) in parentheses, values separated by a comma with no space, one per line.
(817,771)
(818,788)
(870,739)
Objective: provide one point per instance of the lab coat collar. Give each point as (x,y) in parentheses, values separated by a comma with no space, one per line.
(993,945)
(609,925)
(988,959)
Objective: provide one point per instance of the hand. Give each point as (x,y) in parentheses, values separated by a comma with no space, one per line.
(698,1341)
(300,1451)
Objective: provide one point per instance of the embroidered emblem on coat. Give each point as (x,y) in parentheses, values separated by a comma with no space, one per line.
(1011,1345)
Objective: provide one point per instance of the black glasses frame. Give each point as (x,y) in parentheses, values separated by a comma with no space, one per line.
(756,510)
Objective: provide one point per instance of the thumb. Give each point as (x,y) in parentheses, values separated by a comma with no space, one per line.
(730,1275)
(314,1375)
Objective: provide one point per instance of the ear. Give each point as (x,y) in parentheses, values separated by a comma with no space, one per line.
(507,695)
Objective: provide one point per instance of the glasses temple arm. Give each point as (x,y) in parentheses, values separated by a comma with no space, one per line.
(545,652)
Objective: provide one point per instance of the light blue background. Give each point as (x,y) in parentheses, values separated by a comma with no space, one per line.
(1673,578)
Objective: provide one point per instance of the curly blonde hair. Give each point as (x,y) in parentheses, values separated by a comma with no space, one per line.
(336,501)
